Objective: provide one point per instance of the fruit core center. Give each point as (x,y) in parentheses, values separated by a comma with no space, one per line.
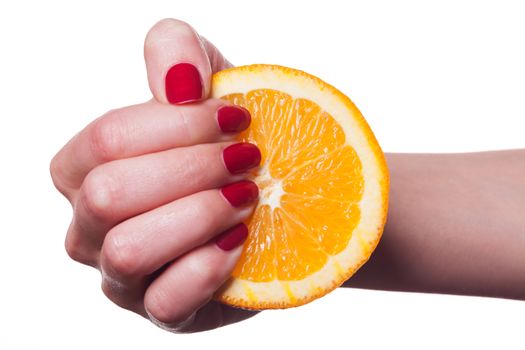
(270,189)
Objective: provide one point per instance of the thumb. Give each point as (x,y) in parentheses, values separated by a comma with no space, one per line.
(179,62)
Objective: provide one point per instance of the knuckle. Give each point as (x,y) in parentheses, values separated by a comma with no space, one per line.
(98,193)
(56,172)
(110,288)
(116,291)
(75,250)
(120,256)
(106,137)
(56,169)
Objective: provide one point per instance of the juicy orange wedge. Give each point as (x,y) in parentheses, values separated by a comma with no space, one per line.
(323,187)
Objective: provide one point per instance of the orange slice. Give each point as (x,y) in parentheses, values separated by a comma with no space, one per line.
(323,187)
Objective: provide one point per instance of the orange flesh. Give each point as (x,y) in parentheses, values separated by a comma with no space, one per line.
(304,154)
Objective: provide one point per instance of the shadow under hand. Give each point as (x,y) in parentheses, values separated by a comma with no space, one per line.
(214,315)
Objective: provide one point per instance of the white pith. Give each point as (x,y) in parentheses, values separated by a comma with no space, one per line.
(272,191)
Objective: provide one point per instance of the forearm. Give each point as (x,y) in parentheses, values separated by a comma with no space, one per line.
(456,224)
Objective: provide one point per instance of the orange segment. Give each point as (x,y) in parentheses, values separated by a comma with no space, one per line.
(323,187)
(299,252)
(259,256)
(308,133)
(329,223)
(336,175)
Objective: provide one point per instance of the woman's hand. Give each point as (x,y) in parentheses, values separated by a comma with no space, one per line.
(159,191)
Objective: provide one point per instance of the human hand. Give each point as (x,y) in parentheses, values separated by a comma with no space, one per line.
(158,189)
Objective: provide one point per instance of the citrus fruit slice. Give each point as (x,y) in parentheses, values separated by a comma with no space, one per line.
(323,187)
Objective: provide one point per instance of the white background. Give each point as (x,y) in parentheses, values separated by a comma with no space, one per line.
(437,76)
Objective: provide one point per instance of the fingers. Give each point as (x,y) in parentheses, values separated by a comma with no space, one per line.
(118,190)
(143,183)
(190,281)
(141,129)
(138,247)
(179,62)
(143,244)
(152,127)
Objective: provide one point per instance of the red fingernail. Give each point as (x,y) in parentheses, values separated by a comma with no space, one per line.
(240,157)
(240,193)
(183,83)
(233,118)
(232,237)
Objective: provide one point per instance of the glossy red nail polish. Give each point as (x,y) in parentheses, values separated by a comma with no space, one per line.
(241,157)
(233,118)
(240,193)
(232,237)
(183,83)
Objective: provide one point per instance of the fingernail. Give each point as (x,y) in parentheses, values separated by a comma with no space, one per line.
(232,237)
(233,119)
(183,83)
(240,157)
(240,193)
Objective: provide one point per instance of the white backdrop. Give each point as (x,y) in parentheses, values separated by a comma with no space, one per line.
(437,76)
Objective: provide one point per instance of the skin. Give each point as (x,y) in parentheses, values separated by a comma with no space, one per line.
(454,224)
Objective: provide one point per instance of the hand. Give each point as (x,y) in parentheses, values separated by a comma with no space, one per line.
(159,191)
